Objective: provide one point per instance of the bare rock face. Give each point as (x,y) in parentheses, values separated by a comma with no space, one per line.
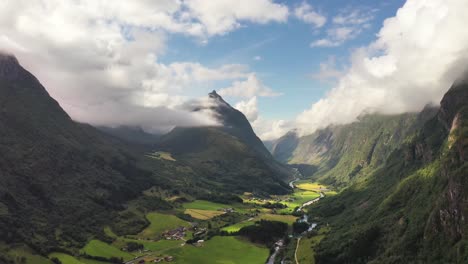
(453,101)
(9,67)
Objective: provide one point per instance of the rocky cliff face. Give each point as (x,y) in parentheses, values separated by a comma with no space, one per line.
(9,67)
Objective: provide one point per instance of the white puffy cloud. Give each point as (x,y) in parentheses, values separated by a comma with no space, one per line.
(268,129)
(347,25)
(221,16)
(417,55)
(306,13)
(249,108)
(250,87)
(99,58)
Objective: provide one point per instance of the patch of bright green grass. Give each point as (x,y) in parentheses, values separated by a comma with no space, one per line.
(160,223)
(205,205)
(65,259)
(236,227)
(98,248)
(310,186)
(305,250)
(289,219)
(223,250)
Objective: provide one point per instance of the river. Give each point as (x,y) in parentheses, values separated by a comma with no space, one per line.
(305,219)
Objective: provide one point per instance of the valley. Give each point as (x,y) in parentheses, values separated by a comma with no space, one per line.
(207,232)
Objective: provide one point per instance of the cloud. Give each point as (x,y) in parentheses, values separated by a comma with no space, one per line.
(221,16)
(248,88)
(306,13)
(257,58)
(347,25)
(100,59)
(417,55)
(248,108)
(328,71)
(268,129)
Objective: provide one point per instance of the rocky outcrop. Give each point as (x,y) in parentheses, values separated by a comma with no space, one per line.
(9,67)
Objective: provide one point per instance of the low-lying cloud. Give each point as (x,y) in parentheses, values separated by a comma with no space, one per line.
(414,60)
(100,59)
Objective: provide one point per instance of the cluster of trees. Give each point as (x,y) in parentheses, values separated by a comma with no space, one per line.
(264,232)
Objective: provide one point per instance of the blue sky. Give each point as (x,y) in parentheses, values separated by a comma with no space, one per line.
(287,59)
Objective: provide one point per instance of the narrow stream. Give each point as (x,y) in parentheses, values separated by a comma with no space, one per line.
(304,218)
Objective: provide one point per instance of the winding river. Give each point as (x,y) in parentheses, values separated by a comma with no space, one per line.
(305,219)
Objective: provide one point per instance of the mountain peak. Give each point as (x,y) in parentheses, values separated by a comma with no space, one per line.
(9,66)
(214,95)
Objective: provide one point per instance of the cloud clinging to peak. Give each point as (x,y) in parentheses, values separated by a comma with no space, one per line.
(101,59)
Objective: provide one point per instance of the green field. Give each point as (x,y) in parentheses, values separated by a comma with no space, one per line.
(101,249)
(160,223)
(300,197)
(238,226)
(305,250)
(203,214)
(289,219)
(205,205)
(65,259)
(310,186)
(225,250)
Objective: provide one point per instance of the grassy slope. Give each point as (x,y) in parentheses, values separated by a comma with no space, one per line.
(101,249)
(407,211)
(160,223)
(346,154)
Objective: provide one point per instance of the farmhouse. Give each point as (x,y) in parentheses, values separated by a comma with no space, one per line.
(176,234)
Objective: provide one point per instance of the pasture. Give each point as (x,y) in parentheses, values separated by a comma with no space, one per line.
(160,223)
(225,249)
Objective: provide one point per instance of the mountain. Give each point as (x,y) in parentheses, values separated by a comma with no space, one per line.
(229,155)
(60,181)
(342,154)
(131,134)
(412,208)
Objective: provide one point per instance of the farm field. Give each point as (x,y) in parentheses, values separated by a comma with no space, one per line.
(202,214)
(310,186)
(205,205)
(67,259)
(98,248)
(227,249)
(161,222)
(218,249)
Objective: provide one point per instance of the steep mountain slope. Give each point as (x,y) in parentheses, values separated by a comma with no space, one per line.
(413,208)
(231,156)
(347,153)
(60,181)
